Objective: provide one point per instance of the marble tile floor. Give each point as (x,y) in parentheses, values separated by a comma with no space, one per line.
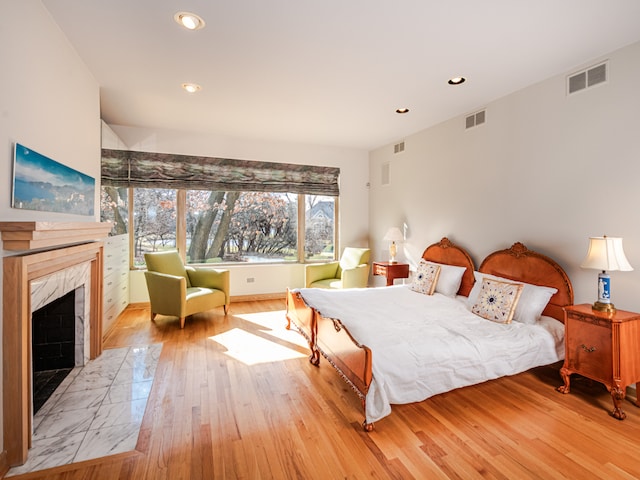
(96,411)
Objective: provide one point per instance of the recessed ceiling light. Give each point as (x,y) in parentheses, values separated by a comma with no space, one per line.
(191,87)
(402,110)
(189,20)
(456,80)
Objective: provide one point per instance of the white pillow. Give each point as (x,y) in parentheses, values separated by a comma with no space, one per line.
(449,279)
(532,302)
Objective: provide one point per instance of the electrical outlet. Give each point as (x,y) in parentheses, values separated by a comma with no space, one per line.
(250,279)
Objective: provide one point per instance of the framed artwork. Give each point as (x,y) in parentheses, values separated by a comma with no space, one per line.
(40,183)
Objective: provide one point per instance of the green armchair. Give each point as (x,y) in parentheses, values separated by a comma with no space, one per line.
(352,271)
(182,291)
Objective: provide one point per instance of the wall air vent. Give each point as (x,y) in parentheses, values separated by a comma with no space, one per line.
(398,147)
(475,119)
(589,77)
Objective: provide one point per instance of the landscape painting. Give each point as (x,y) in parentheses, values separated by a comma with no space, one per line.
(40,183)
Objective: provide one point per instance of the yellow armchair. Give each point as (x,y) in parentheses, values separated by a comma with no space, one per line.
(181,291)
(352,271)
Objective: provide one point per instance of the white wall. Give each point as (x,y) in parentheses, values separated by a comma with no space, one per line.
(354,201)
(49,102)
(546,169)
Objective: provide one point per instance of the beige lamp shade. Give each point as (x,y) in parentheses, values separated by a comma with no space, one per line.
(606,253)
(394,235)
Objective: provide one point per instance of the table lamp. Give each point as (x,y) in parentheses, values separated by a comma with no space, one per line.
(393,235)
(605,254)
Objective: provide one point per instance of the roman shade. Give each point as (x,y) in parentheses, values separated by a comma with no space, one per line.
(126,168)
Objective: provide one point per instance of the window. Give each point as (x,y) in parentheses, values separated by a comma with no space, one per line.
(154,221)
(229,227)
(319,227)
(114,208)
(219,209)
(241,227)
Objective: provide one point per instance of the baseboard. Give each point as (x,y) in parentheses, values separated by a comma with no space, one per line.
(4,466)
(137,306)
(258,297)
(237,298)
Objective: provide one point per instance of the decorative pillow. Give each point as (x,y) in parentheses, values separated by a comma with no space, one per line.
(450,279)
(497,300)
(533,300)
(425,278)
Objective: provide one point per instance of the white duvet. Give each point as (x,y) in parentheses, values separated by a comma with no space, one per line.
(428,344)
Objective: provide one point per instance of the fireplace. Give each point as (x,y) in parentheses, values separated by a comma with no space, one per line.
(53,338)
(31,280)
(59,328)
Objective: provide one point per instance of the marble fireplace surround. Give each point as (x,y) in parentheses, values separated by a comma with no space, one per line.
(74,279)
(23,273)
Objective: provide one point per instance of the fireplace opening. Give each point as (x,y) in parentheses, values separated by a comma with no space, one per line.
(53,346)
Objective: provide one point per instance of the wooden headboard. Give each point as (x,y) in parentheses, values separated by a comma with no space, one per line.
(524,265)
(450,254)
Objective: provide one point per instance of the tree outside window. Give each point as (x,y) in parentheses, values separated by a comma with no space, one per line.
(154,221)
(220,226)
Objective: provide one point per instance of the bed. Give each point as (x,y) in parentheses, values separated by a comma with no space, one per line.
(375,338)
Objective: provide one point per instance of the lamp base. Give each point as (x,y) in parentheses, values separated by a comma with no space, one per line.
(604,307)
(393,250)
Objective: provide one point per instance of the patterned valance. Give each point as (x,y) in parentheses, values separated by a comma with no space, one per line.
(126,168)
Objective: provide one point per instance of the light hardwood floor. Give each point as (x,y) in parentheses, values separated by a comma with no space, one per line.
(235,397)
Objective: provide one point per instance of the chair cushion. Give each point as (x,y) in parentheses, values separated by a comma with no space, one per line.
(327,283)
(166,262)
(203,299)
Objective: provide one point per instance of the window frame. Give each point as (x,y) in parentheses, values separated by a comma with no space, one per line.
(181,231)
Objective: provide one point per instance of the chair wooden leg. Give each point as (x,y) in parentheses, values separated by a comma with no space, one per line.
(182,322)
(226,309)
(153,316)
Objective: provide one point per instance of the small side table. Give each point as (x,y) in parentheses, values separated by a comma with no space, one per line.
(391,270)
(604,348)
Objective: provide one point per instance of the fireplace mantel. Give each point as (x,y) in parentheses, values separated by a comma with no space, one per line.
(18,273)
(25,236)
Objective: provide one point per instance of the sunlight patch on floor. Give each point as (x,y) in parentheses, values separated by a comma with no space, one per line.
(275,324)
(252,349)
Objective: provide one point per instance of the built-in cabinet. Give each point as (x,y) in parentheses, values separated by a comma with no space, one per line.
(116,279)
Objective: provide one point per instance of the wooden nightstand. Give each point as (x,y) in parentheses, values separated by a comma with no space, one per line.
(604,348)
(391,270)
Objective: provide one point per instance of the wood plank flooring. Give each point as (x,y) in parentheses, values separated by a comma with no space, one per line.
(235,397)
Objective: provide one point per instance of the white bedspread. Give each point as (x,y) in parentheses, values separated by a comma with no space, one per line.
(424,345)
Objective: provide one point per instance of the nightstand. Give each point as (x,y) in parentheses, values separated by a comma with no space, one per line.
(391,270)
(604,348)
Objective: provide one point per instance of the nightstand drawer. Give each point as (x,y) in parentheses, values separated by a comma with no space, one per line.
(379,269)
(391,270)
(589,350)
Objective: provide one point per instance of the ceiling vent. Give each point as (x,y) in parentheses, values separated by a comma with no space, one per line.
(475,119)
(588,78)
(398,147)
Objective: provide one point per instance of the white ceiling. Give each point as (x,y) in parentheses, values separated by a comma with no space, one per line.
(329,72)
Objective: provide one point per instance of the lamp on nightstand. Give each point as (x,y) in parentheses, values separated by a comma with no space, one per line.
(605,253)
(393,235)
